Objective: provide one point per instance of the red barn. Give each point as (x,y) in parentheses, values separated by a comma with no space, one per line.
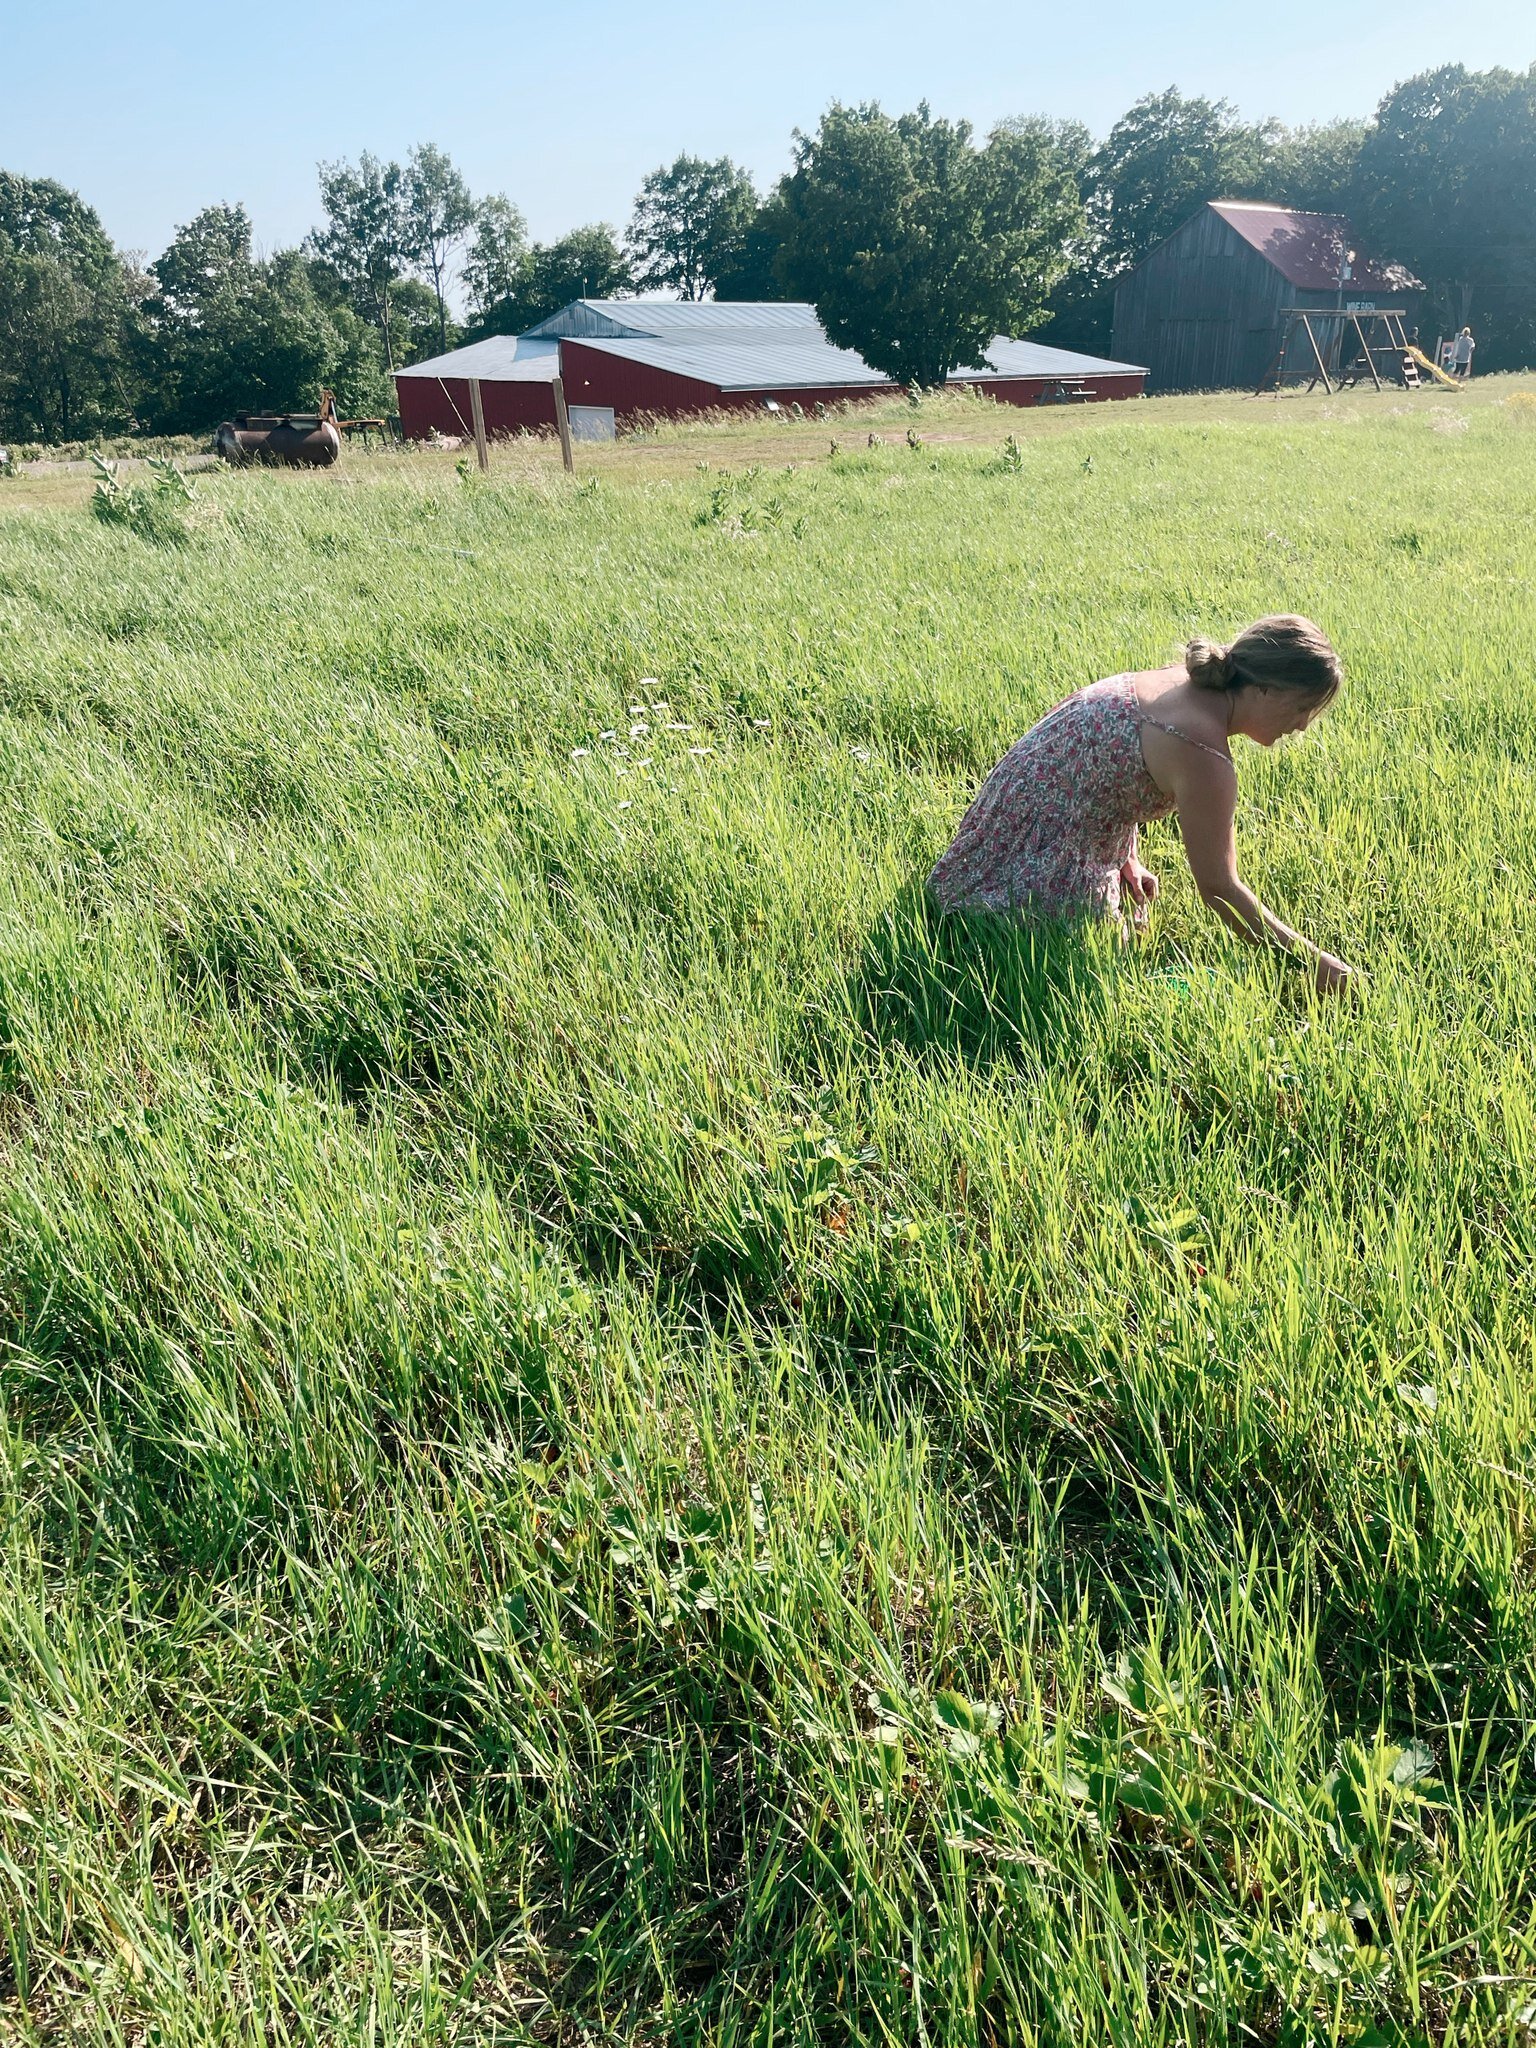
(516,377)
(621,359)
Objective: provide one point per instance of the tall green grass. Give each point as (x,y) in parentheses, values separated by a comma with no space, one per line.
(613,1434)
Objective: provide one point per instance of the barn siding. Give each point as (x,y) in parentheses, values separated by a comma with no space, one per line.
(594,377)
(440,405)
(1204,310)
(579,318)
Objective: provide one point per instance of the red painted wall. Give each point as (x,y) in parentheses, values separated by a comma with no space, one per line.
(592,377)
(441,405)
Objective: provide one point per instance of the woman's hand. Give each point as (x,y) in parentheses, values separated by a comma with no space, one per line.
(1140,884)
(1331,975)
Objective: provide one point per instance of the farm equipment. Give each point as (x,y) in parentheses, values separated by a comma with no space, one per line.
(303,440)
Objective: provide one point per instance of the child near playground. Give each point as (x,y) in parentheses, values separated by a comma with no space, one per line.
(1461,353)
(1053,830)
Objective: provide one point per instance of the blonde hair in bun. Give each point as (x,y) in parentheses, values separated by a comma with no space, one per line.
(1283,652)
(1209,665)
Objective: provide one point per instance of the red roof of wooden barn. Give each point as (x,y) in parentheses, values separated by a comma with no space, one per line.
(1311,249)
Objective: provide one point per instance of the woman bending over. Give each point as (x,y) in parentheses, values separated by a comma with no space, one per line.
(1053,830)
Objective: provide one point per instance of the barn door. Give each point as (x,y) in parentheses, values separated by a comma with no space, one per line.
(592,423)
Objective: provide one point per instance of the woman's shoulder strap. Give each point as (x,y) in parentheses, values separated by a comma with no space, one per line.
(1188,738)
(1146,718)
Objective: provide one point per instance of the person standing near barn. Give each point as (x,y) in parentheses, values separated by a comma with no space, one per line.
(1053,831)
(1461,354)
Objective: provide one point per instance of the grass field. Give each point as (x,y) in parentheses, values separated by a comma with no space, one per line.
(612,1435)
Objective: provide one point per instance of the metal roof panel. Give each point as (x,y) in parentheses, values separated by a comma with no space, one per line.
(750,346)
(1009,358)
(625,319)
(755,360)
(499,359)
(766,362)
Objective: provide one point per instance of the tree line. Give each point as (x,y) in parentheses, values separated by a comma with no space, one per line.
(915,240)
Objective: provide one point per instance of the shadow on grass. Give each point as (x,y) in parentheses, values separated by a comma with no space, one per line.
(976,986)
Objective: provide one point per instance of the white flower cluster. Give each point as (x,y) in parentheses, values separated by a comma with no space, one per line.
(649,716)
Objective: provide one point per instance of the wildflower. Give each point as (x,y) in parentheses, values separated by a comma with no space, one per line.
(639,729)
(580,753)
(699,752)
(859,753)
(762,724)
(674,727)
(607,735)
(626,803)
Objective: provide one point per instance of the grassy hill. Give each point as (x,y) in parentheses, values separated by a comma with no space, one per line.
(612,1434)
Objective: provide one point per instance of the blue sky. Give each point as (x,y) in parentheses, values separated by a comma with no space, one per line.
(155,109)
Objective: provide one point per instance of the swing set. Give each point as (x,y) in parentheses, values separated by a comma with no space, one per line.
(1358,342)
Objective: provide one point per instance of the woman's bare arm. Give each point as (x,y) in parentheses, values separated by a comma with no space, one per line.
(1205,790)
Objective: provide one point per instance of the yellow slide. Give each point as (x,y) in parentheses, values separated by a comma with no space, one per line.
(1434,369)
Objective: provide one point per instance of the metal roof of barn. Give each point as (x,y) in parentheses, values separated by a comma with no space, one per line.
(735,346)
(745,350)
(764,359)
(1310,249)
(631,319)
(499,359)
(1008,358)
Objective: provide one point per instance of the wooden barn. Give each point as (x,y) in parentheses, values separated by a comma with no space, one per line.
(1205,309)
(624,360)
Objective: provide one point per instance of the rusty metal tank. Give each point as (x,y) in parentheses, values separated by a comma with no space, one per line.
(303,440)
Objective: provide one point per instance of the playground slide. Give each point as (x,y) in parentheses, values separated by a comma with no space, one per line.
(1433,368)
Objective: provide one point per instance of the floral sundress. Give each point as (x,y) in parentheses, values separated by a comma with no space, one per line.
(1056,819)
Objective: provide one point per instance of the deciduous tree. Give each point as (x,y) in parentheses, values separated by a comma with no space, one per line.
(585,264)
(751,269)
(915,246)
(1165,157)
(64,315)
(439,213)
(689,224)
(366,238)
(1447,185)
(497,249)
(224,333)
(1315,166)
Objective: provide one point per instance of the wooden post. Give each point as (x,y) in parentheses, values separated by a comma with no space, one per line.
(477,414)
(563,422)
(1365,350)
(1322,367)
